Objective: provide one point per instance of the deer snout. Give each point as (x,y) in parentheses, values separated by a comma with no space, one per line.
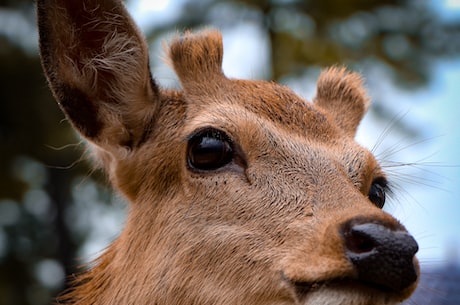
(381,255)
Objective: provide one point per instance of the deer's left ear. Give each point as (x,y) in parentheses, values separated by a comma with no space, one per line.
(342,95)
(96,62)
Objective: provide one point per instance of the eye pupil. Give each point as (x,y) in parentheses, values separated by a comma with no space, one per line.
(209,150)
(377,194)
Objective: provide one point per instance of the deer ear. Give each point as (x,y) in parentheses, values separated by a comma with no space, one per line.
(342,95)
(96,63)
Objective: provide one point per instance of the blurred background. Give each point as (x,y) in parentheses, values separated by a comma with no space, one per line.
(56,213)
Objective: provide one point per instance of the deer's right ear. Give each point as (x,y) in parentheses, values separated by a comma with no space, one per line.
(96,62)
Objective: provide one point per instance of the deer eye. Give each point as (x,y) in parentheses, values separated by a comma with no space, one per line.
(377,192)
(209,149)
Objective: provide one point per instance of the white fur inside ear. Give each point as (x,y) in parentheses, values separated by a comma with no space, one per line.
(120,52)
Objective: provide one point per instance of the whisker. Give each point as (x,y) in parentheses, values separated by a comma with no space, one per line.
(387,131)
(70,166)
(74,145)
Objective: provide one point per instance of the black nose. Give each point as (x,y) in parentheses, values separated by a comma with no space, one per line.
(381,256)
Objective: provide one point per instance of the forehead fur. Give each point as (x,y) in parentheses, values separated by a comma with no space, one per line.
(278,104)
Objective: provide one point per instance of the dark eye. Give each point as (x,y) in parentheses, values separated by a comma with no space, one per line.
(209,149)
(377,192)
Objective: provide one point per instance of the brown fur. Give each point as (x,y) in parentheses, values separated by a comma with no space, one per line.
(242,234)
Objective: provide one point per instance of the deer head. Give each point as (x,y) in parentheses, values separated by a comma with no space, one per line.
(240,192)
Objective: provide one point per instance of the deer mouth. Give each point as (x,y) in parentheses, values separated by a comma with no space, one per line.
(345,291)
(304,288)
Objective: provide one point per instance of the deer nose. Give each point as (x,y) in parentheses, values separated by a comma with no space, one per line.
(380,255)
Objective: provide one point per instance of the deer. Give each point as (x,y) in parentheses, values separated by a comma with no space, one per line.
(239,191)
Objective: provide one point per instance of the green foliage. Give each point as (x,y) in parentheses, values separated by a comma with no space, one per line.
(404,35)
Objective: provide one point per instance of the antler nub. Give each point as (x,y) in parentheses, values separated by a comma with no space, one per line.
(197,57)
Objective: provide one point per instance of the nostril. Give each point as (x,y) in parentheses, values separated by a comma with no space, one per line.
(358,242)
(380,255)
